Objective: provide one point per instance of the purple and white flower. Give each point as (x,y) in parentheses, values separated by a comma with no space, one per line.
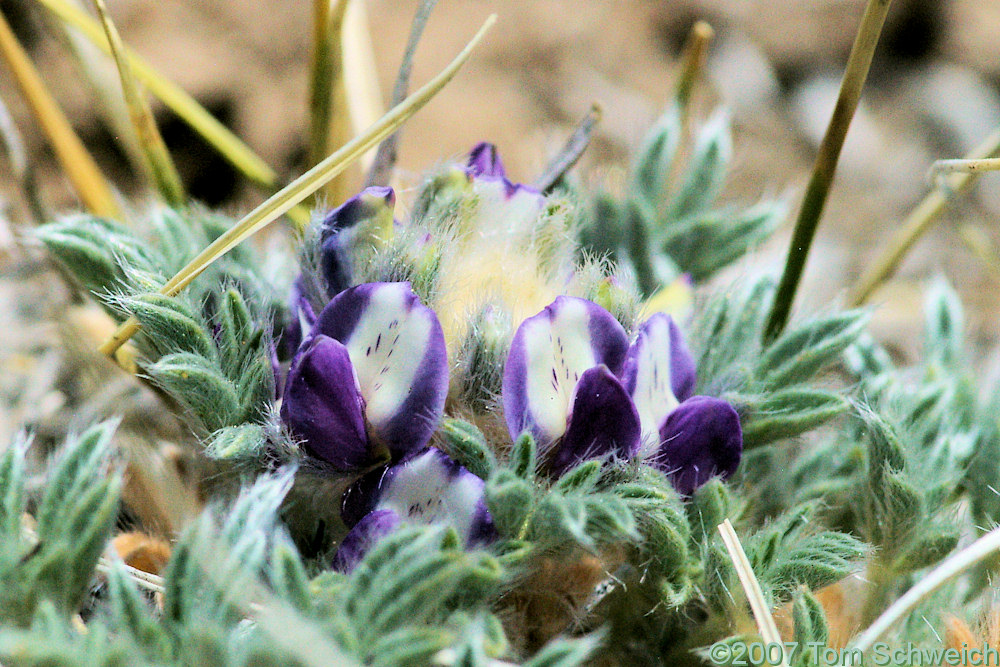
(561,383)
(365,218)
(691,438)
(428,488)
(369,383)
(505,204)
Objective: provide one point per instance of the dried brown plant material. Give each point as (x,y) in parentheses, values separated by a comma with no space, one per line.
(141,551)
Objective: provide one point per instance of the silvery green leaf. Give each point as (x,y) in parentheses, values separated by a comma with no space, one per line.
(244,442)
(944,330)
(237,332)
(710,505)
(581,479)
(885,450)
(510,500)
(83,459)
(656,157)
(897,507)
(12,491)
(562,652)
(130,610)
(603,234)
(801,352)
(560,519)
(467,445)
(652,269)
(665,539)
(287,575)
(865,358)
(809,619)
(927,549)
(199,385)
(816,560)
(609,520)
(409,645)
(255,386)
(786,413)
(96,251)
(171,324)
(522,456)
(706,170)
(705,243)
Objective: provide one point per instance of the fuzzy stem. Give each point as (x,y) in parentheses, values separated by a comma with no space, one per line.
(953,566)
(879,589)
(920,220)
(303,186)
(79,166)
(826,163)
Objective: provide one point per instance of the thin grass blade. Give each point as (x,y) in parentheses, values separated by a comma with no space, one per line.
(217,135)
(77,163)
(305,185)
(154,150)
(385,157)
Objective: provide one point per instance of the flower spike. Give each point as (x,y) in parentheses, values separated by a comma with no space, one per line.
(659,374)
(323,407)
(484,160)
(365,219)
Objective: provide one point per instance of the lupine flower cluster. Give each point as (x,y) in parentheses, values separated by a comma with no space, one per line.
(369,379)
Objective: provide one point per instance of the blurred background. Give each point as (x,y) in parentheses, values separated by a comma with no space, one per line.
(934,92)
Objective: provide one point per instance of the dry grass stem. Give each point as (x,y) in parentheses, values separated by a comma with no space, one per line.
(303,187)
(80,168)
(154,150)
(758,605)
(947,570)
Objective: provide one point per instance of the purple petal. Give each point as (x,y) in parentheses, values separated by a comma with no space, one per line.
(659,373)
(548,355)
(335,263)
(427,488)
(363,537)
(701,438)
(367,204)
(485,166)
(484,160)
(322,405)
(371,208)
(604,422)
(301,319)
(398,351)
